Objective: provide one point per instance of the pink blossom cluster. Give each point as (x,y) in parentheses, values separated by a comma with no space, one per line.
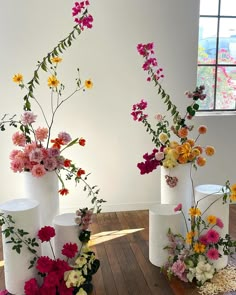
(147,51)
(137,111)
(84,218)
(84,20)
(150,163)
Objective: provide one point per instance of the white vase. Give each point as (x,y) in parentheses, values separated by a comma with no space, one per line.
(45,190)
(209,193)
(182,192)
(161,218)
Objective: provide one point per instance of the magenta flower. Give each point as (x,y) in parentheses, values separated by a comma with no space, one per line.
(203,239)
(178,269)
(69,250)
(66,138)
(212,236)
(50,164)
(36,155)
(219,223)
(46,233)
(178,208)
(44,264)
(213,254)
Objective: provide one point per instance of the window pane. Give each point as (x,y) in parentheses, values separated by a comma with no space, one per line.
(209,7)
(228,7)
(205,76)
(207,40)
(226,88)
(227,41)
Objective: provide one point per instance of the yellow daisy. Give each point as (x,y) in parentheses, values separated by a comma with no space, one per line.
(211,219)
(56,59)
(17,78)
(52,81)
(88,84)
(194,212)
(199,248)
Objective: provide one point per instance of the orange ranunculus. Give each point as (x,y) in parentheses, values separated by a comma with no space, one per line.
(191,157)
(233,197)
(183,132)
(233,188)
(210,150)
(201,161)
(199,148)
(202,129)
(191,141)
(196,152)
(182,159)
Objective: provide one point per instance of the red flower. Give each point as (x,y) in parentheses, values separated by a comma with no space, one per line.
(57,142)
(59,267)
(82,141)
(80,172)
(51,280)
(67,163)
(48,291)
(69,250)
(31,287)
(63,191)
(44,264)
(46,233)
(63,290)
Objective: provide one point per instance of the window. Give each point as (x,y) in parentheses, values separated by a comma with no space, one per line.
(217,54)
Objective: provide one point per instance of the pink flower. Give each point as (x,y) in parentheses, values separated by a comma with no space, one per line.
(4,292)
(203,239)
(69,250)
(66,138)
(28,118)
(19,139)
(219,223)
(178,208)
(213,254)
(31,287)
(17,165)
(50,164)
(158,117)
(41,134)
(38,170)
(46,233)
(178,269)
(44,264)
(212,236)
(36,155)
(159,156)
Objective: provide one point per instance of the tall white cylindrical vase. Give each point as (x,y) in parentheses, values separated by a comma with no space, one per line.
(205,195)
(25,213)
(67,231)
(182,192)
(45,190)
(161,218)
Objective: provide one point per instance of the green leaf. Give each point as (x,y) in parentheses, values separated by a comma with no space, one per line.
(196,106)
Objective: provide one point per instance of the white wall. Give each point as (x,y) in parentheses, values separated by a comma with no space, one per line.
(107,54)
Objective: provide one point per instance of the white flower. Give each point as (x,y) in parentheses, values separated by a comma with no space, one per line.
(163,137)
(204,271)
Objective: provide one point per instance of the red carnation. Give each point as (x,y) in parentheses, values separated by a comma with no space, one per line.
(51,280)
(67,163)
(44,264)
(70,250)
(82,141)
(46,233)
(31,287)
(63,191)
(80,172)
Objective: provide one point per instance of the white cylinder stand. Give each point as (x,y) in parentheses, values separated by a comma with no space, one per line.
(25,213)
(182,192)
(205,195)
(67,231)
(45,190)
(161,218)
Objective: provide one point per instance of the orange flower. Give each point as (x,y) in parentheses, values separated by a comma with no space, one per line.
(233,197)
(191,141)
(199,248)
(201,161)
(202,129)
(182,159)
(233,188)
(189,237)
(210,150)
(194,212)
(199,148)
(212,219)
(196,152)
(57,142)
(183,132)
(17,78)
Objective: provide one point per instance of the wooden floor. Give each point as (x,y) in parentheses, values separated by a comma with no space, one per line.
(120,241)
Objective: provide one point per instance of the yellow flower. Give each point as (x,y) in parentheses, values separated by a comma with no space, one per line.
(56,59)
(73,278)
(189,237)
(233,197)
(194,212)
(88,84)
(173,144)
(233,188)
(81,292)
(163,137)
(211,219)
(199,248)
(52,81)
(17,78)
(210,150)
(81,261)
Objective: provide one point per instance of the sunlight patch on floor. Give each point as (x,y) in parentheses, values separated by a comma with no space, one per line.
(110,235)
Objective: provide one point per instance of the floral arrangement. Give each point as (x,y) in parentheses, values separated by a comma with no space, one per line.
(38,151)
(73,275)
(173,143)
(191,258)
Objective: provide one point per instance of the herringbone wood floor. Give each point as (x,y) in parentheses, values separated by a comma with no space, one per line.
(120,240)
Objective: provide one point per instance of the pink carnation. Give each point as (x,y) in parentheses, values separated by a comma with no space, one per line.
(219,223)
(19,139)
(17,165)
(213,254)
(36,155)
(178,269)
(41,134)
(178,208)
(28,118)
(212,236)
(38,170)
(50,164)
